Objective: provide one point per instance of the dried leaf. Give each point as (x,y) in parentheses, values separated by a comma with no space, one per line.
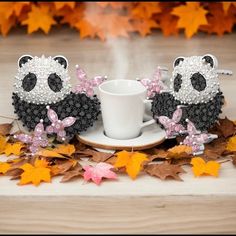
(3,142)
(60,5)
(4,167)
(66,149)
(144,26)
(226,127)
(77,171)
(39,18)
(13,148)
(231,145)
(5,129)
(145,10)
(165,170)
(96,173)
(191,16)
(132,162)
(35,173)
(179,151)
(200,167)
(234,160)
(49,153)
(62,167)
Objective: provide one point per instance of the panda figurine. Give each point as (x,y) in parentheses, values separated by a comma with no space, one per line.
(43,81)
(194,85)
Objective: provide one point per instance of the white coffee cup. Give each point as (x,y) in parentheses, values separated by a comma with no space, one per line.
(123,105)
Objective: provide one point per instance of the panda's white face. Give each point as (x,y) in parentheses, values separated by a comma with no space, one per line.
(194,79)
(42,80)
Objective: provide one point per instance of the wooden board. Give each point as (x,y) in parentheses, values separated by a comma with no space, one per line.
(147,205)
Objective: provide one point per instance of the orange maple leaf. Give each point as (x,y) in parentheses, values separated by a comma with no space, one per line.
(144,26)
(39,18)
(13,148)
(72,17)
(3,142)
(200,167)
(219,22)
(226,5)
(60,5)
(4,167)
(231,144)
(35,173)
(131,161)
(67,149)
(191,16)
(179,149)
(145,9)
(19,6)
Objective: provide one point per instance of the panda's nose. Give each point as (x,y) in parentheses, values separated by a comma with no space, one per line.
(55,82)
(198,82)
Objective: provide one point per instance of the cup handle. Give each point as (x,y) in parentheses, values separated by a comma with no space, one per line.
(150,122)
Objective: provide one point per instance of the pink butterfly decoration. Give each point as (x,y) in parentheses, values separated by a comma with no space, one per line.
(36,140)
(196,139)
(171,125)
(96,173)
(154,85)
(86,85)
(58,126)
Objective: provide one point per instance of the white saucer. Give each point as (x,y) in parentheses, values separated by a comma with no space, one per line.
(150,136)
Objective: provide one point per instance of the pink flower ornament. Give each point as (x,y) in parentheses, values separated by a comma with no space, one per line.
(171,125)
(196,139)
(36,140)
(58,126)
(86,85)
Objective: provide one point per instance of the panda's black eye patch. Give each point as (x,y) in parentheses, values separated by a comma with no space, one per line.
(29,82)
(177,82)
(198,82)
(55,82)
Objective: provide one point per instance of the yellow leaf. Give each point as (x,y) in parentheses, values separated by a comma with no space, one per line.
(231,145)
(3,142)
(4,167)
(180,149)
(49,153)
(200,167)
(131,161)
(67,149)
(35,173)
(39,18)
(13,148)
(191,16)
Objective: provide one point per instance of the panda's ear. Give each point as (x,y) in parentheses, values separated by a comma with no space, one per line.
(177,61)
(210,59)
(61,60)
(23,59)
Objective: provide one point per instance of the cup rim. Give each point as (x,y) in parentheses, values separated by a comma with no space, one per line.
(121,94)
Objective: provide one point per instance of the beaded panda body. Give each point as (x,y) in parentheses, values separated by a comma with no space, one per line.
(43,81)
(195,85)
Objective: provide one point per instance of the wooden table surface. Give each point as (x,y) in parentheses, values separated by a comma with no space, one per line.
(146,205)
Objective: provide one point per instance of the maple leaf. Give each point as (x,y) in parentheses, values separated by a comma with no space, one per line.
(72,17)
(39,18)
(19,6)
(3,142)
(165,170)
(77,171)
(99,171)
(226,127)
(5,128)
(62,167)
(218,22)
(131,161)
(191,16)
(66,149)
(201,167)
(179,151)
(231,145)
(13,148)
(144,26)
(4,167)
(168,23)
(145,9)
(60,5)
(35,173)
(226,5)
(49,153)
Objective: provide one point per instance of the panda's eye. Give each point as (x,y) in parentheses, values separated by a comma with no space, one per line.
(177,82)
(198,82)
(29,82)
(55,82)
